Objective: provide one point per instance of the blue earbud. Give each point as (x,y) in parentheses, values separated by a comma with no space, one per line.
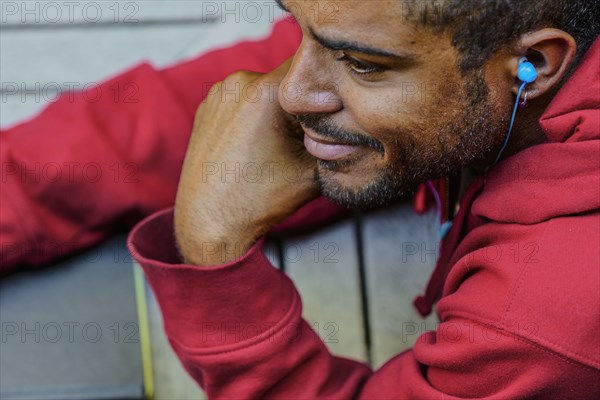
(526,72)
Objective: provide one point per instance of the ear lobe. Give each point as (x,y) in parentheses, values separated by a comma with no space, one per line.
(551,51)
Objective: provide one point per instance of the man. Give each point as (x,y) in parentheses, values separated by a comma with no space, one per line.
(524,323)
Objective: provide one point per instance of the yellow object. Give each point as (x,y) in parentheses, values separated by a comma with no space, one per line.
(142,311)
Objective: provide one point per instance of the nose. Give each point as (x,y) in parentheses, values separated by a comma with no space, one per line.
(310,85)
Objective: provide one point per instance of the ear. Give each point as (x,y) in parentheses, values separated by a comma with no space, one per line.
(551,51)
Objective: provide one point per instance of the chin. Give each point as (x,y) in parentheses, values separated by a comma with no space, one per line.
(357,188)
(353,172)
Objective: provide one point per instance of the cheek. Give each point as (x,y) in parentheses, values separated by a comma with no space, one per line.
(501,97)
(391,114)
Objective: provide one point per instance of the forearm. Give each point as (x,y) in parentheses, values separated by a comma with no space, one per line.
(237,327)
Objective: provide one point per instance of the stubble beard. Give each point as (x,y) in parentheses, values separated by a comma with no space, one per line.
(466,137)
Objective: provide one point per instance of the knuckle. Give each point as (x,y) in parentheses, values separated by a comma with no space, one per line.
(214,89)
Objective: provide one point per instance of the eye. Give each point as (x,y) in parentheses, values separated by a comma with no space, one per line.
(358,67)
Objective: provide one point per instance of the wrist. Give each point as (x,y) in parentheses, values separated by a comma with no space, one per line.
(213,253)
(200,245)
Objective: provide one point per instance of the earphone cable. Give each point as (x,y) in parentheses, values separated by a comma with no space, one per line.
(512,121)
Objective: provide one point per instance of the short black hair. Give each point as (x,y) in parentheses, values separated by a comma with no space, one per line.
(481,27)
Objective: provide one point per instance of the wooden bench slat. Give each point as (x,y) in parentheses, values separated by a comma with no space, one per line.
(79,57)
(399,257)
(324,268)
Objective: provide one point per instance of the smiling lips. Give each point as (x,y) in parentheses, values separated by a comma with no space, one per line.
(326,150)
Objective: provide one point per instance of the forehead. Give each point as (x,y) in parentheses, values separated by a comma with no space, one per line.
(378,22)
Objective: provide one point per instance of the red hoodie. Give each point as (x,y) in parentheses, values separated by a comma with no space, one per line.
(519,278)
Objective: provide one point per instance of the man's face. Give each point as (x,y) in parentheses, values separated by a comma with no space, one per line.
(382,102)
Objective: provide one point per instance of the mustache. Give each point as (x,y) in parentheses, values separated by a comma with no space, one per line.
(323,125)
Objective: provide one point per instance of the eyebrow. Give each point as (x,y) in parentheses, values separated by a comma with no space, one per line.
(356,47)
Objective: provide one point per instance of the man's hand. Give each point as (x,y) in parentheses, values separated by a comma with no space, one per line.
(245,170)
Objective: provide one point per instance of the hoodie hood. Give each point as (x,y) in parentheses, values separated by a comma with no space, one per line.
(562,176)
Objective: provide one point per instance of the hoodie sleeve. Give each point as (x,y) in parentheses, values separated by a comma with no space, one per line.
(238,330)
(95,163)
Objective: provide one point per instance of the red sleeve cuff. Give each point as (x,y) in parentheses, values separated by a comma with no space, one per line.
(229,303)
